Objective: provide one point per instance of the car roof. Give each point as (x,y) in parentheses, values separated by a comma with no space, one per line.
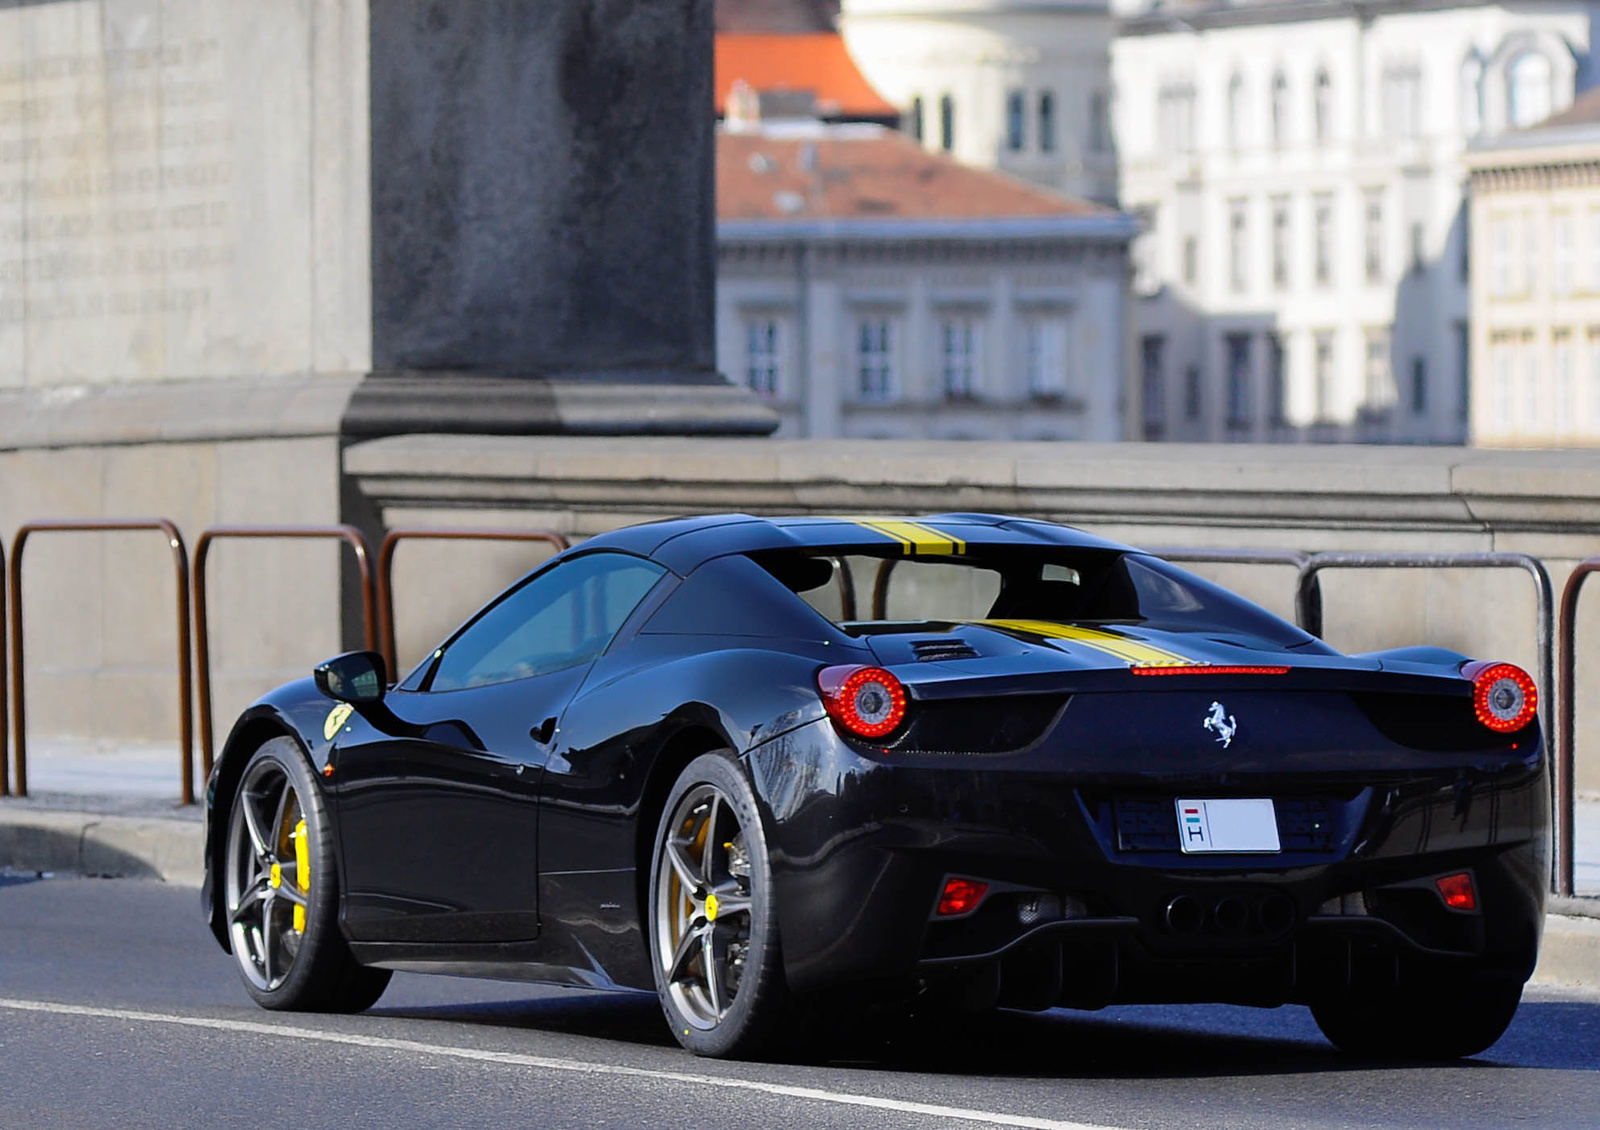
(682,544)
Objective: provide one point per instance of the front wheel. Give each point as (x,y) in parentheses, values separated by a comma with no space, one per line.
(1444,1021)
(713,926)
(283,892)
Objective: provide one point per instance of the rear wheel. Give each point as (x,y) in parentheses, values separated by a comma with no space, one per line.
(282,892)
(713,929)
(1439,1021)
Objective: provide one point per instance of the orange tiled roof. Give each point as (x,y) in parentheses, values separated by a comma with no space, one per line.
(1585,110)
(868,173)
(818,63)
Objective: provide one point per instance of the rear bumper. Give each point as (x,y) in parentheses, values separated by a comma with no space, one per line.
(861,847)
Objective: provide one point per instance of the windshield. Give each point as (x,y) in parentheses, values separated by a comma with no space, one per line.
(864,593)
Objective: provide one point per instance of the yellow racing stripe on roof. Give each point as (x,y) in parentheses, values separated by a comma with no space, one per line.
(1135,652)
(914,537)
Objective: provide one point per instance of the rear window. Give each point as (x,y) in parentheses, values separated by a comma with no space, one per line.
(865,592)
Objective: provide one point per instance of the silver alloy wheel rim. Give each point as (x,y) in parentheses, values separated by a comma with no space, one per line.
(266,813)
(700,944)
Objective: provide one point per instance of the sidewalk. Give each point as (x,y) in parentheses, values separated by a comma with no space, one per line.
(98,808)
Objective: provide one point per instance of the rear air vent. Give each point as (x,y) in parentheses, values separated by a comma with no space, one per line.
(932,651)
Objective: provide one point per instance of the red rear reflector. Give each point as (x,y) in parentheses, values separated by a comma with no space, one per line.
(868,702)
(1205,669)
(960,896)
(1457,891)
(1503,696)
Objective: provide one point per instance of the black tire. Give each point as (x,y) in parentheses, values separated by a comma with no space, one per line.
(1441,1021)
(747,1013)
(288,960)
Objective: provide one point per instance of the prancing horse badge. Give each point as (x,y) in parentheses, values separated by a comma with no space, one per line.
(1222,724)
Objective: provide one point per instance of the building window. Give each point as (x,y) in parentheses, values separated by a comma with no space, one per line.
(1191,260)
(764,355)
(1379,375)
(1464,243)
(1048,343)
(1280,110)
(1500,256)
(1175,126)
(1146,272)
(1238,347)
(1238,247)
(1402,100)
(1322,374)
(1014,115)
(875,358)
(958,356)
(1594,378)
(1323,209)
(1191,392)
(1047,122)
(1532,400)
(1561,253)
(1501,360)
(1528,90)
(1463,372)
(1322,95)
(1419,385)
(1374,234)
(1418,250)
(1280,242)
(1277,381)
(1565,407)
(1099,123)
(1594,250)
(1236,111)
(1151,349)
(915,118)
(1530,252)
(947,123)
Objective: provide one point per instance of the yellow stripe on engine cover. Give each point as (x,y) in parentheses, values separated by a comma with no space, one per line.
(914,537)
(1134,651)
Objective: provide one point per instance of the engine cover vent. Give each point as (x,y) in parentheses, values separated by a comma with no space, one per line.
(932,651)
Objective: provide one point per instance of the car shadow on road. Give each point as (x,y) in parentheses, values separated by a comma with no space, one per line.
(1174,1042)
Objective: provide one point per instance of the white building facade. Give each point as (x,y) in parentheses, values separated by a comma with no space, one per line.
(1023,86)
(962,329)
(1298,168)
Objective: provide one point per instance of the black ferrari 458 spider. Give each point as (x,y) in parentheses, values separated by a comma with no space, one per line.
(773,767)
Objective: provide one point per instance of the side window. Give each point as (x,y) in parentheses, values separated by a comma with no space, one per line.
(559,619)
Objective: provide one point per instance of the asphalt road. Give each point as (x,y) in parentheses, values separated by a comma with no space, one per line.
(118,1010)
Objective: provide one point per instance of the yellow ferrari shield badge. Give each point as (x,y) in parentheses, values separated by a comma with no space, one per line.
(336,719)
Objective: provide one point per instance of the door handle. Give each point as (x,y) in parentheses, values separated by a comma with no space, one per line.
(544,731)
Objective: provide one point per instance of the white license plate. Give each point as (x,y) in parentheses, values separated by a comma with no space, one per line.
(1227,826)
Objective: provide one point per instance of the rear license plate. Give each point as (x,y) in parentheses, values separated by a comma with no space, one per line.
(1227,826)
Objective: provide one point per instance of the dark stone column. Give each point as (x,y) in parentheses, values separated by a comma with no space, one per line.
(543,220)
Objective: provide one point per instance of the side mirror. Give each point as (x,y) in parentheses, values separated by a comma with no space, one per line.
(356,677)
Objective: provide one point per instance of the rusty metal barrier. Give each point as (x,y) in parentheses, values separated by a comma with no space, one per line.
(180,572)
(436,533)
(1545,642)
(1566,755)
(1293,558)
(202,551)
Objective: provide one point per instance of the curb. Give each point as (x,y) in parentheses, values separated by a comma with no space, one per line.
(124,847)
(1570,954)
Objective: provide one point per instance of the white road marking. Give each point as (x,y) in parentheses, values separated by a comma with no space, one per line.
(547,1063)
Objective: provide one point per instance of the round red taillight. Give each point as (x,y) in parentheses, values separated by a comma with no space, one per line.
(868,702)
(1504,698)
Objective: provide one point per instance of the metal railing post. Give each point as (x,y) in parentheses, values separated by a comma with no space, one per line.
(436,533)
(180,567)
(1544,606)
(1565,861)
(202,550)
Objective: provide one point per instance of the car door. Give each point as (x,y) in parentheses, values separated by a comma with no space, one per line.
(437,793)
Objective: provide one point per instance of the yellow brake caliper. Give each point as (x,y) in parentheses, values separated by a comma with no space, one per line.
(302,871)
